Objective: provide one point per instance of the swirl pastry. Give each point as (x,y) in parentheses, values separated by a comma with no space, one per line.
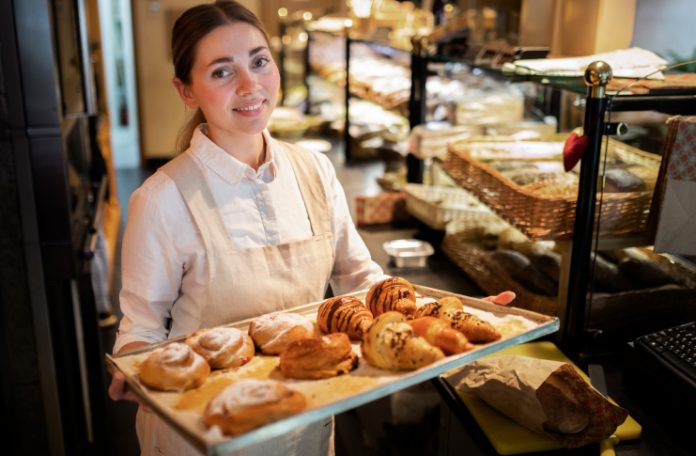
(319,357)
(222,347)
(273,332)
(390,344)
(346,314)
(251,403)
(451,310)
(174,367)
(389,294)
(440,334)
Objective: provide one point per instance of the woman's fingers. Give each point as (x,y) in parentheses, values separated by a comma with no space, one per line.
(502,299)
(118,390)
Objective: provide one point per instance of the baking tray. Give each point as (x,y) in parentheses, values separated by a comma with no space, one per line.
(325,397)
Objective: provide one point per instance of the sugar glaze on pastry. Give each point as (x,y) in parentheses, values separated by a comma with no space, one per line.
(174,367)
(273,332)
(251,403)
(222,347)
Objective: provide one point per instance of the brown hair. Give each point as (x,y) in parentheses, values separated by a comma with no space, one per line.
(194,24)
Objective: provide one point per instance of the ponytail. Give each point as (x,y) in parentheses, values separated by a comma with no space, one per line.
(183,139)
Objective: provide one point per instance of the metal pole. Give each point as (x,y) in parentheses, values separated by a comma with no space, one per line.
(416,105)
(573,328)
(346,127)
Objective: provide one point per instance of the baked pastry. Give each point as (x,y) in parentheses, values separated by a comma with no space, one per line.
(394,293)
(251,403)
(318,357)
(390,344)
(346,314)
(273,332)
(452,311)
(222,347)
(440,334)
(174,367)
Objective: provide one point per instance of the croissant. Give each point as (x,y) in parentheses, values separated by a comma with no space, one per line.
(440,334)
(345,314)
(394,293)
(390,344)
(174,367)
(222,347)
(451,310)
(318,357)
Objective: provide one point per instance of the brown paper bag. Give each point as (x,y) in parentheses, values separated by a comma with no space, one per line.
(547,397)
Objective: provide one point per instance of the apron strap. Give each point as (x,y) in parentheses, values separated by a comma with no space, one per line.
(313,193)
(199,199)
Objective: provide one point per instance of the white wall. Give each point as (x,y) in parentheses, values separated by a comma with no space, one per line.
(666,25)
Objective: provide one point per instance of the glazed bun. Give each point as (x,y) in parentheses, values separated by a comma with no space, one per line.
(222,347)
(174,367)
(251,403)
(273,332)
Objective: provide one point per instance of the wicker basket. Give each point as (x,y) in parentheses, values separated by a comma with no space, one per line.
(549,216)
(437,206)
(491,277)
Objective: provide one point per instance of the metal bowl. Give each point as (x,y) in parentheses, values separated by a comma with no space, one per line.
(408,253)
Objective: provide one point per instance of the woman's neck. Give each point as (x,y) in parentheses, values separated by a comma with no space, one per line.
(249,149)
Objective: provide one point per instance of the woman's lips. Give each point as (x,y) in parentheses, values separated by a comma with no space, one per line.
(250,110)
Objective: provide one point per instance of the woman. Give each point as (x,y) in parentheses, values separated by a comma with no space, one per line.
(239,224)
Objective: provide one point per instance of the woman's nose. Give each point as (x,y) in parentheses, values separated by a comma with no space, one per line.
(246,83)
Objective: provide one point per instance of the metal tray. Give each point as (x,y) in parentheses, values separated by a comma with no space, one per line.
(328,398)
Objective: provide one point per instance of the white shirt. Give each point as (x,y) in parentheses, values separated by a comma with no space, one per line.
(163,257)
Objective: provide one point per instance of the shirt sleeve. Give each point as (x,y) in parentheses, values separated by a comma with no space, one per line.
(151,272)
(353,268)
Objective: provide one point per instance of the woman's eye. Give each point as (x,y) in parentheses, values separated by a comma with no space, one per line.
(261,62)
(220,73)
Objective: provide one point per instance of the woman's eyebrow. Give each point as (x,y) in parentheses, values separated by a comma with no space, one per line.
(256,50)
(229,59)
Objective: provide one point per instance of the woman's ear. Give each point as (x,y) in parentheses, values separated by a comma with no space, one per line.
(185,93)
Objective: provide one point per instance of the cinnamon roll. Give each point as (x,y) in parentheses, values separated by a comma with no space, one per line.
(251,403)
(174,367)
(222,347)
(273,332)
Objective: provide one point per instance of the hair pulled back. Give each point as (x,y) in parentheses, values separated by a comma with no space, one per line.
(194,24)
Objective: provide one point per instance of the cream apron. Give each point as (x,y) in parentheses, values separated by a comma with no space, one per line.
(250,282)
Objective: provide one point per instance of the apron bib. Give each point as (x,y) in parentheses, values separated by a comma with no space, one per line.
(244,283)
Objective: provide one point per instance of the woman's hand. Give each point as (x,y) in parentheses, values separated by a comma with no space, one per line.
(502,299)
(118,389)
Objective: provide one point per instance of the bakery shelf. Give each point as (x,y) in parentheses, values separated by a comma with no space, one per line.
(334,395)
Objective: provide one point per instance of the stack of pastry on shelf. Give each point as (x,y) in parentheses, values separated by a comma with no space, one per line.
(632,285)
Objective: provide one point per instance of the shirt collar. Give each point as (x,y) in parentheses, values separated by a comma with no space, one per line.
(228,167)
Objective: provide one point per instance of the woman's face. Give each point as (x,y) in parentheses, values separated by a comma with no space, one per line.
(234,80)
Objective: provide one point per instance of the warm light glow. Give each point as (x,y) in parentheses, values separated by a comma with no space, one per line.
(449,8)
(348,23)
(361,8)
(302,37)
(307,16)
(282,12)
